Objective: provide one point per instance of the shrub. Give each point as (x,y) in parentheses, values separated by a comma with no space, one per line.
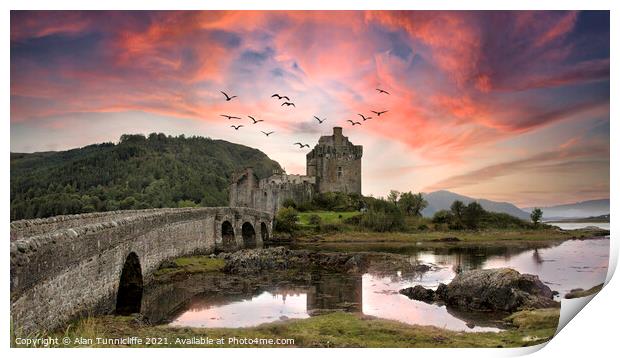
(337,201)
(305,206)
(186,204)
(314,219)
(331,227)
(382,219)
(353,220)
(442,217)
(286,220)
(289,203)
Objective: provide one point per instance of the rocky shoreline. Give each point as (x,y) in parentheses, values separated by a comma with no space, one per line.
(281,258)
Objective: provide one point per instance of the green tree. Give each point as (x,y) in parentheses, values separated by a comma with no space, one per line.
(138,172)
(536,215)
(412,204)
(472,215)
(442,217)
(289,203)
(457,208)
(393,196)
(128,203)
(286,220)
(186,204)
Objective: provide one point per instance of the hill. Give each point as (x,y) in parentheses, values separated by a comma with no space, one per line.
(442,199)
(576,210)
(137,173)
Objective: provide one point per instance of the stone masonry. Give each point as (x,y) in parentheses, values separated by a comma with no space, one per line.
(67,266)
(333,165)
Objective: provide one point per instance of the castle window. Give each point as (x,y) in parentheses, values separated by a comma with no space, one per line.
(264,193)
(339,172)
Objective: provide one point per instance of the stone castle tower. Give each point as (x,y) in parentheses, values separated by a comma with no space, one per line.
(336,163)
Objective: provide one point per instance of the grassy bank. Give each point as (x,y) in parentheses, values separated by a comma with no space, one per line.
(332,227)
(331,330)
(576,293)
(449,235)
(187,266)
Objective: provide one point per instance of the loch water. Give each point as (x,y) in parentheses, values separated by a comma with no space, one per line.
(220,301)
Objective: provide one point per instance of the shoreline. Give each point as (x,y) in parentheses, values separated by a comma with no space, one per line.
(492,237)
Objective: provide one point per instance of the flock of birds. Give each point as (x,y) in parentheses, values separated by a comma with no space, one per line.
(287,102)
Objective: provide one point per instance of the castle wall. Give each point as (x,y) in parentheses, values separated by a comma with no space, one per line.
(273,191)
(268,194)
(336,163)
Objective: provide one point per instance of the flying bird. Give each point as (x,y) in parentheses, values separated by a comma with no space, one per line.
(255,120)
(301,145)
(237,127)
(364,118)
(267,133)
(378,113)
(280,97)
(228,98)
(319,119)
(229,117)
(353,123)
(288,104)
(382,91)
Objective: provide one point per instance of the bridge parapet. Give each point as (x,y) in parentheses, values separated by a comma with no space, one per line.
(69,265)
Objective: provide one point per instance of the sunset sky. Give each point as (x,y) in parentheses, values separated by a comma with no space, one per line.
(509,106)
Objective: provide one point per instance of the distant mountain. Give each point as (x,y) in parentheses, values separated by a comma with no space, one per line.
(581,209)
(442,199)
(137,173)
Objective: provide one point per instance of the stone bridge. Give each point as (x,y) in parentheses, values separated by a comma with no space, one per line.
(68,266)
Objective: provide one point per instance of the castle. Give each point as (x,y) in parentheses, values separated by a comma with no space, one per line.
(335,164)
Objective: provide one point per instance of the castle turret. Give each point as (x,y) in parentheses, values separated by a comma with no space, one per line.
(336,163)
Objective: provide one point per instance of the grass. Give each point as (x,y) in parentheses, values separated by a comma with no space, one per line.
(535,319)
(579,292)
(462,235)
(350,234)
(189,265)
(327,217)
(330,330)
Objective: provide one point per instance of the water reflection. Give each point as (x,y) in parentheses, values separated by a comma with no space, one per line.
(219,300)
(573,226)
(266,307)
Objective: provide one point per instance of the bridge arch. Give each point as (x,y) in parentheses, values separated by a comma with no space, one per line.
(109,255)
(264,231)
(249,235)
(130,287)
(228,235)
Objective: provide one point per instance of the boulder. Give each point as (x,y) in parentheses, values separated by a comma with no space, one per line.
(442,292)
(491,290)
(419,293)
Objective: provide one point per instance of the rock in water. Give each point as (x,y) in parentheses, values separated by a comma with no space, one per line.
(498,290)
(442,292)
(419,293)
(490,290)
